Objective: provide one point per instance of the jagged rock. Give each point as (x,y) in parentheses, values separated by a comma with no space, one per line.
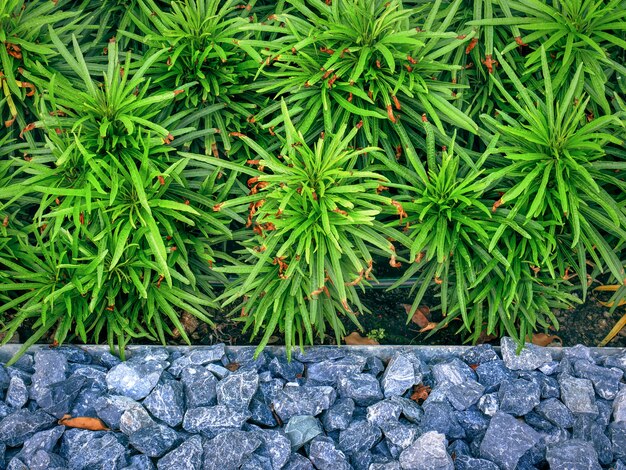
(155,440)
(439,417)
(140,462)
(17,393)
(465,462)
(518,397)
(383,411)
(410,410)
(92,450)
(187,456)
(41,441)
(359,436)
(134,380)
(530,358)
(605,381)
(462,396)
(135,418)
(489,404)
(325,456)
(301,430)
(578,395)
(294,401)
(275,445)
(50,367)
(167,403)
(480,354)
(298,462)
(556,412)
(217,370)
(197,357)
(364,389)
(491,374)
(261,413)
(110,409)
(228,450)
(237,389)
(572,455)
(427,452)
(339,415)
(453,371)
(617,433)
(472,420)
(280,367)
(213,419)
(200,386)
(398,434)
(399,376)
(619,406)
(21,425)
(506,440)
(57,399)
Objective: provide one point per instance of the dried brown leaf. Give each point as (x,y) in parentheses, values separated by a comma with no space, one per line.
(543,339)
(355,339)
(83,422)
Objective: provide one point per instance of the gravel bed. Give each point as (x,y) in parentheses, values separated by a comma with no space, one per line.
(329,409)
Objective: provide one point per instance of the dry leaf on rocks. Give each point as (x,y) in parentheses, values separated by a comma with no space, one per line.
(83,422)
(420,393)
(355,339)
(233,366)
(543,339)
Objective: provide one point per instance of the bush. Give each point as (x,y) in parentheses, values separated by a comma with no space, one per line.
(269,157)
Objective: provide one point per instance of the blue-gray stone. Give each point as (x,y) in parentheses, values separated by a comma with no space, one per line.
(440,417)
(399,435)
(364,389)
(410,410)
(85,403)
(489,404)
(197,357)
(261,413)
(213,419)
(187,456)
(228,450)
(399,376)
(256,462)
(458,447)
(75,354)
(140,462)
(50,367)
(167,403)
(359,436)
(619,406)
(616,360)
(374,366)
(578,395)
(480,354)
(57,399)
(587,428)
(199,386)
(281,367)
(246,359)
(328,372)
(275,445)
(325,456)
(301,430)
(4,378)
(154,441)
(92,450)
(572,455)
(339,415)
(16,464)
(217,370)
(237,389)
(531,356)
(111,408)
(472,420)
(105,359)
(43,440)
(22,424)
(427,452)
(491,374)
(556,412)
(578,352)
(94,378)
(538,422)
(605,381)
(298,462)
(362,460)
(463,395)
(519,396)
(43,460)
(295,400)
(453,371)
(506,440)
(134,419)
(142,354)
(17,393)
(465,462)
(385,466)
(605,408)
(273,389)
(549,368)
(550,387)
(314,355)
(617,433)
(134,380)
(383,411)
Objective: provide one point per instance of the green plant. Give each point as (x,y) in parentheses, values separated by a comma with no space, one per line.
(377,334)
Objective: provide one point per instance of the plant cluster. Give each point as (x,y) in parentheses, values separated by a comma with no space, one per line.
(273,158)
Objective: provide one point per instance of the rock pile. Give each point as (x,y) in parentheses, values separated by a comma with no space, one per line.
(329,409)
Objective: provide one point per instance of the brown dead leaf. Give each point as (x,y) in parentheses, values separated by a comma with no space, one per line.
(420,393)
(189,322)
(421,316)
(543,339)
(233,366)
(355,339)
(431,325)
(83,422)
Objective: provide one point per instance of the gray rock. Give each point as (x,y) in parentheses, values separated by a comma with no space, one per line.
(217,370)
(359,436)
(16,464)
(302,429)
(325,456)
(228,450)
(134,380)
(154,441)
(95,378)
(519,396)
(167,403)
(197,357)
(261,413)
(237,389)
(616,360)
(587,428)
(75,354)
(41,441)
(364,389)
(549,368)
(462,396)
(111,408)
(617,433)
(281,367)
(472,420)
(572,455)
(556,412)
(489,404)
(143,354)
(135,418)
(578,352)
(480,354)
(578,395)
(383,411)
(256,462)
(506,440)
(213,419)
(43,460)
(399,376)
(298,462)
(385,466)
(550,387)
(187,456)
(17,393)
(619,406)
(453,371)
(92,450)
(605,381)
(22,424)
(199,386)
(427,452)
(140,462)
(50,367)
(57,399)
(246,359)
(410,410)
(315,355)
(274,445)
(339,415)
(5,379)
(295,401)
(465,462)
(374,366)
(105,359)
(398,434)
(530,358)
(491,374)
(328,372)
(439,417)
